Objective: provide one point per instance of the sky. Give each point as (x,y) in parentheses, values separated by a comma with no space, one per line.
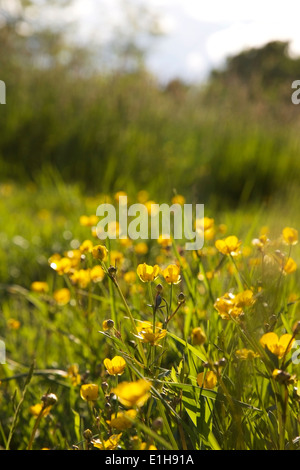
(198,34)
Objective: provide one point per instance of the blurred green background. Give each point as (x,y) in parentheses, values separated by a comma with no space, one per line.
(73,128)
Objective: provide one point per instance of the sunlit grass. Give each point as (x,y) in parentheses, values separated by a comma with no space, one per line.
(116,348)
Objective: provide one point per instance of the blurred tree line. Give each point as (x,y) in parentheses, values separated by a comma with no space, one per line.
(111,128)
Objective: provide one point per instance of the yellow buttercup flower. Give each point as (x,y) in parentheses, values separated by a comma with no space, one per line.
(110,444)
(81,278)
(120,420)
(62,296)
(147,273)
(115,366)
(229,246)
(108,324)
(178,199)
(40,287)
(73,374)
(36,409)
(88,220)
(100,252)
(290,266)
(132,394)
(97,274)
(164,241)
(130,277)
(13,324)
(245,354)
(141,248)
(89,392)
(208,380)
(278,346)
(227,308)
(86,246)
(147,335)
(290,236)
(172,274)
(244,299)
(61,265)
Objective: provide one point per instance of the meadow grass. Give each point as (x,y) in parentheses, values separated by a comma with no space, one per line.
(199,376)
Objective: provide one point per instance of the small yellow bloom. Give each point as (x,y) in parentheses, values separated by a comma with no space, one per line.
(229,246)
(178,199)
(97,274)
(111,443)
(208,381)
(13,324)
(61,266)
(116,366)
(100,252)
(89,392)
(86,246)
(164,241)
(198,336)
(227,308)
(148,336)
(81,278)
(244,299)
(73,374)
(62,296)
(36,409)
(278,346)
(290,236)
(132,394)
(88,221)
(245,354)
(147,273)
(130,277)
(120,420)
(172,274)
(108,324)
(38,286)
(141,248)
(290,266)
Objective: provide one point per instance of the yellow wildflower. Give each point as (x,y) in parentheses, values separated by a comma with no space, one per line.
(120,420)
(178,199)
(100,252)
(110,444)
(147,335)
(97,274)
(172,274)
(130,277)
(62,296)
(278,346)
(141,248)
(86,246)
(290,236)
(88,221)
(198,336)
(73,374)
(13,324)
(38,286)
(89,392)
(81,278)
(36,409)
(245,354)
(208,380)
(115,366)
(290,266)
(62,265)
(132,394)
(147,273)
(229,246)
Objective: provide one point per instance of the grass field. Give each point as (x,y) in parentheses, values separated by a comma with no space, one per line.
(197,362)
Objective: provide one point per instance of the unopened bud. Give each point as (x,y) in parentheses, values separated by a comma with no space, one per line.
(49,399)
